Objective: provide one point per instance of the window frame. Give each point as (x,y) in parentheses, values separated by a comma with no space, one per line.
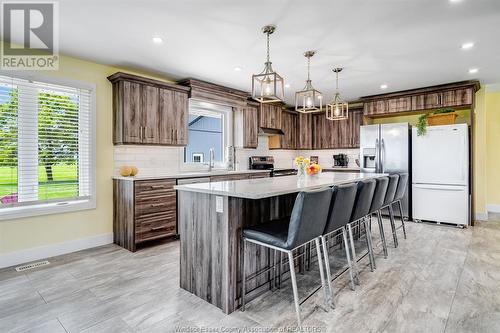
(227,135)
(58,206)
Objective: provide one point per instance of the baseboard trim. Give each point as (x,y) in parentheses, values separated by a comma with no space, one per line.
(492,208)
(481,216)
(47,251)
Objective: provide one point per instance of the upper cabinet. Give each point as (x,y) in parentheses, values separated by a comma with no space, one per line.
(336,134)
(289,127)
(455,95)
(246,126)
(147,111)
(270,115)
(304,131)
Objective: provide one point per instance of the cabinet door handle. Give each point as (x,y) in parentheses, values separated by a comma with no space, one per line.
(172,135)
(158,228)
(144,133)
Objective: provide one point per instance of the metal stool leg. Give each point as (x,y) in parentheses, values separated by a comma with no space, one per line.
(328,272)
(393,226)
(322,275)
(382,234)
(244,278)
(294,286)
(402,217)
(280,270)
(348,256)
(355,263)
(370,245)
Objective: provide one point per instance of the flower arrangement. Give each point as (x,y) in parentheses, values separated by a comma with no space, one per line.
(304,166)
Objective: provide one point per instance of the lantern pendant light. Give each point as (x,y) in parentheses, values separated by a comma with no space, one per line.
(337,109)
(268,86)
(308,99)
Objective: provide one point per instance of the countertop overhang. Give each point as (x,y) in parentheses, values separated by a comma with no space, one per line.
(269,187)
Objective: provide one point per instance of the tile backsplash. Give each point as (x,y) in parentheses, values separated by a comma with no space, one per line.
(154,160)
(150,160)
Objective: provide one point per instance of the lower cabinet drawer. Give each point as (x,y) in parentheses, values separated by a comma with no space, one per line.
(159,204)
(154,226)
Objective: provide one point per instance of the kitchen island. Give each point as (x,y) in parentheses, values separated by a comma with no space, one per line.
(211,217)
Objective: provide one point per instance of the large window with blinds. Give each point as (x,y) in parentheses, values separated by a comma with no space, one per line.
(46,147)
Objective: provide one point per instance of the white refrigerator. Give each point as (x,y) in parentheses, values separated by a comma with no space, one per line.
(440,165)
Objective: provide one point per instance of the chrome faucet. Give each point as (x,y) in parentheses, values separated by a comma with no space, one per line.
(211,158)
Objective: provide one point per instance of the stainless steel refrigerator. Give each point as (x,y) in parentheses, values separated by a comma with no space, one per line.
(385,148)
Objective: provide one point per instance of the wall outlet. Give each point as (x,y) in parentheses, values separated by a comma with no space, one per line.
(219,204)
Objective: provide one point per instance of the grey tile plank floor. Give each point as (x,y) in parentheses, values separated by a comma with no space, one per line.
(440,279)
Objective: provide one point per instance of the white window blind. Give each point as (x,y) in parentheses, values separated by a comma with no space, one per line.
(45,144)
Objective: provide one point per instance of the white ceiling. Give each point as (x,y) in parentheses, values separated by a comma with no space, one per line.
(402,43)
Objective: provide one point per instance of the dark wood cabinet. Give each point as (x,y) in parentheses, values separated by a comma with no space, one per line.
(147,111)
(143,210)
(356,121)
(173,106)
(336,134)
(270,115)
(304,131)
(289,127)
(456,95)
(250,127)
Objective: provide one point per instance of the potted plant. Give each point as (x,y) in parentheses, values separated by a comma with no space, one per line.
(439,117)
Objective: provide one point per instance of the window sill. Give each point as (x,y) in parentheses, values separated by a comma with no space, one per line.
(46,209)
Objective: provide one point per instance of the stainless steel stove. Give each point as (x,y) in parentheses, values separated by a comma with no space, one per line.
(267,163)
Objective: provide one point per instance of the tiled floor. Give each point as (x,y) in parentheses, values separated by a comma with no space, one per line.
(441,279)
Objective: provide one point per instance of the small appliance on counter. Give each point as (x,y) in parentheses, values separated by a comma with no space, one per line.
(340,160)
(267,163)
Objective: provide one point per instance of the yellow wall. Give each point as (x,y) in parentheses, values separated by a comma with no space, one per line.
(480,144)
(19,234)
(492,103)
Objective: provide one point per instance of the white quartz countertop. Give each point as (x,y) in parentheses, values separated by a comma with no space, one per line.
(343,168)
(190,174)
(269,187)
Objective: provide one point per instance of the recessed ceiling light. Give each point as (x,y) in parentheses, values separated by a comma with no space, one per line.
(157,40)
(466,46)
(287,85)
(473,70)
(383,86)
(237,69)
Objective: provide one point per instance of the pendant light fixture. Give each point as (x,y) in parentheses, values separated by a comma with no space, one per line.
(337,109)
(268,86)
(308,99)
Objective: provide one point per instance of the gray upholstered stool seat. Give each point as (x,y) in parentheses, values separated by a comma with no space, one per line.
(273,233)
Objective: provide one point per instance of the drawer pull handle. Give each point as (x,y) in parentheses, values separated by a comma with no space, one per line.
(156,204)
(158,228)
(156,187)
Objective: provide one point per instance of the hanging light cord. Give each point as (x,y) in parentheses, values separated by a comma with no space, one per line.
(308,68)
(337,75)
(268,47)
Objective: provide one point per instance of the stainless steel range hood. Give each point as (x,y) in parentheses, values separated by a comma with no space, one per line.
(270,131)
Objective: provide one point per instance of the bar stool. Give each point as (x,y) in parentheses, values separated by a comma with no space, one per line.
(306,224)
(364,197)
(377,203)
(400,192)
(389,198)
(343,197)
